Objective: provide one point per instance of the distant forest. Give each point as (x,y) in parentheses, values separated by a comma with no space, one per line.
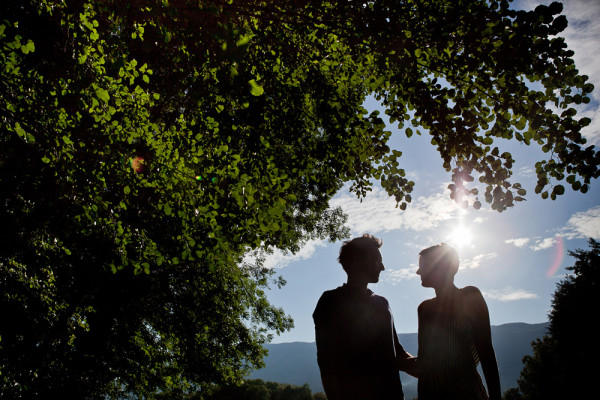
(255,389)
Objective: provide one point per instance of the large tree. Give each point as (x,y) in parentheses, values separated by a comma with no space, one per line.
(560,366)
(148,146)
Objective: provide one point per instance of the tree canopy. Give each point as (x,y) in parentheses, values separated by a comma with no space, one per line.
(148,146)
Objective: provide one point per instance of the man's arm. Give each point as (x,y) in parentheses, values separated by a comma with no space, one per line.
(326,350)
(404,360)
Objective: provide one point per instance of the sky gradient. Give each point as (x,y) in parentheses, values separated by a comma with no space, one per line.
(515,257)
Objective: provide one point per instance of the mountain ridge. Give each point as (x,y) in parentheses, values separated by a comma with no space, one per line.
(296,362)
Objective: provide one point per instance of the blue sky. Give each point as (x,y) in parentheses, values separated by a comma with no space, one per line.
(515,257)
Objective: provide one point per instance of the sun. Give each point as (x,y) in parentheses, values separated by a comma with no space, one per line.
(461,236)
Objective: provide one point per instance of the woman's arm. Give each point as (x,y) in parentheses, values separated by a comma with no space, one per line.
(483,342)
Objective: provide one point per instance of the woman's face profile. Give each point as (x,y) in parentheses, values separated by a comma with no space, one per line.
(430,273)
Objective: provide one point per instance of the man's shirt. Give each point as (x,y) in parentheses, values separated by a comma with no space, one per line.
(357,346)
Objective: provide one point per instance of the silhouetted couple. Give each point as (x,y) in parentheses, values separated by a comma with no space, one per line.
(358,351)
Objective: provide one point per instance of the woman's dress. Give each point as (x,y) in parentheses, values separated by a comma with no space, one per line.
(448,357)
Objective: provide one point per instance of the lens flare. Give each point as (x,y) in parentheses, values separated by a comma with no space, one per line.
(559,253)
(212,180)
(139,165)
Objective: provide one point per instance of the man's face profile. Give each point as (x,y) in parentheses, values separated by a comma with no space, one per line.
(374,266)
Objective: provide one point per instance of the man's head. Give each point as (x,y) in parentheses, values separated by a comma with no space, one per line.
(437,265)
(361,257)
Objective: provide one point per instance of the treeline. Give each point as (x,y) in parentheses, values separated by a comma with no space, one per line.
(564,355)
(255,389)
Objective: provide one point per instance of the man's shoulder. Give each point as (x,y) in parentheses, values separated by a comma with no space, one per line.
(379,300)
(329,297)
(333,293)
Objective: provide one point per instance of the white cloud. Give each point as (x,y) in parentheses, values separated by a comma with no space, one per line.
(279,259)
(526,172)
(475,262)
(519,242)
(583,225)
(592,131)
(394,276)
(543,244)
(377,212)
(535,244)
(582,35)
(509,294)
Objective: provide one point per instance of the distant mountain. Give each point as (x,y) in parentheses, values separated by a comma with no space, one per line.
(296,363)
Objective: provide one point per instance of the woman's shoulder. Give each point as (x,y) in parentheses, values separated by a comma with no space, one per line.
(473,298)
(426,304)
(471,291)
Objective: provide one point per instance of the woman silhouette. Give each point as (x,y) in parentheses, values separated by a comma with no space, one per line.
(454,334)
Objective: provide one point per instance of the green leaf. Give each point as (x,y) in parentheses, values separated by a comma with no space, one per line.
(20,131)
(255,88)
(559,190)
(28,48)
(103,95)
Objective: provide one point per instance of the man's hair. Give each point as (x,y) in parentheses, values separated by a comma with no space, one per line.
(442,256)
(358,250)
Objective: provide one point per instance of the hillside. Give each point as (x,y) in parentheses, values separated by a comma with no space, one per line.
(296,363)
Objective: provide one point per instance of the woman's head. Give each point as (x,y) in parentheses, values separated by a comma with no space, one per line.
(437,265)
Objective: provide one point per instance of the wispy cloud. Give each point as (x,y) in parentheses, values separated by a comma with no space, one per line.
(583,225)
(543,244)
(526,172)
(535,244)
(475,262)
(377,212)
(479,220)
(509,294)
(394,276)
(519,242)
(581,36)
(279,259)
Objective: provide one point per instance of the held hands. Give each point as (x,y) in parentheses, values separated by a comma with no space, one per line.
(408,365)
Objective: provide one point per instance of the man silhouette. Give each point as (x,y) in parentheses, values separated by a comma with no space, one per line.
(357,346)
